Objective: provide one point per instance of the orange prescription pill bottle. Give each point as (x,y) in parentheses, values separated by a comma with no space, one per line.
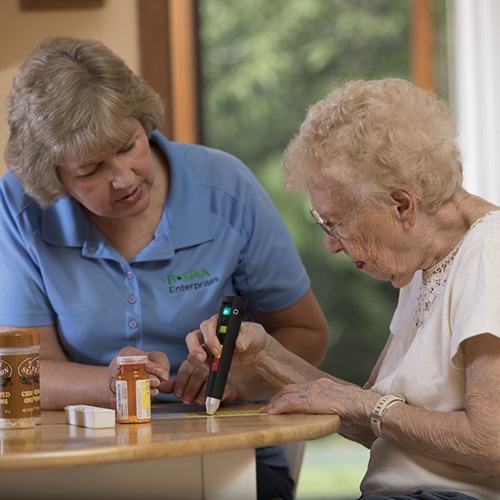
(133,400)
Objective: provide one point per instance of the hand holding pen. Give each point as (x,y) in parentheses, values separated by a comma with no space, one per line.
(230,317)
(250,346)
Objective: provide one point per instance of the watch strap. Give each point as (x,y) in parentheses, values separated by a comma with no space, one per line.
(379,410)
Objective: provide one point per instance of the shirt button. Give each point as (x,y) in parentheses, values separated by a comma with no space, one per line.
(132,299)
(133,324)
(130,275)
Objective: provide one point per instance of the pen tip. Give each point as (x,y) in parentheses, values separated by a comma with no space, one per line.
(212,406)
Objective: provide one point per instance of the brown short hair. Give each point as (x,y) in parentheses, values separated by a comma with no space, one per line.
(72,98)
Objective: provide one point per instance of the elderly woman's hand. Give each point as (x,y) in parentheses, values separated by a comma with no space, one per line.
(324,396)
(157,366)
(191,381)
(250,344)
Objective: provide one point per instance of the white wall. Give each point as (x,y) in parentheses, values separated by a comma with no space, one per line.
(115,24)
(475,76)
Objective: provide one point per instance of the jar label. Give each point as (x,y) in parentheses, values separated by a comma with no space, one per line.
(25,371)
(5,372)
(143,399)
(16,392)
(121,400)
(35,380)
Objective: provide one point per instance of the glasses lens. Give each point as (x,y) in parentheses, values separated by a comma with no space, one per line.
(328,232)
(321,224)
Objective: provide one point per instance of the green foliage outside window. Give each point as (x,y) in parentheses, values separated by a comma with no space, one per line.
(263,63)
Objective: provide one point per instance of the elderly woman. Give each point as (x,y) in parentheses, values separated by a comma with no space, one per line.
(383,172)
(116,240)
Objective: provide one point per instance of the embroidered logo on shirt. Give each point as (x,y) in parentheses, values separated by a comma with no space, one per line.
(190,280)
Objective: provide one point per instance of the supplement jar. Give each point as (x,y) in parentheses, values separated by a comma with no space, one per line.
(133,395)
(16,391)
(35,367)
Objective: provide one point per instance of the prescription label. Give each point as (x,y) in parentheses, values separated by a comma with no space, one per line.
(143,399)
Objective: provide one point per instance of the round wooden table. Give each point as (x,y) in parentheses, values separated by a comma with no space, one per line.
(181,454)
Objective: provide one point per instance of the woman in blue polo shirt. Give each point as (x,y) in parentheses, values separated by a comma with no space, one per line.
(115,239)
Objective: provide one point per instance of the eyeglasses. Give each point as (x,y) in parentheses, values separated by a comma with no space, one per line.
(328,228)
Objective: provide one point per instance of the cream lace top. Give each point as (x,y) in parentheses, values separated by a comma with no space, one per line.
(455,300)
(433,282)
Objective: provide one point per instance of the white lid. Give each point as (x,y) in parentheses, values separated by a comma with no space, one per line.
(131,360)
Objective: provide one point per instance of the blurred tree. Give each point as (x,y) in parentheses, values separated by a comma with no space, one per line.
(263,63)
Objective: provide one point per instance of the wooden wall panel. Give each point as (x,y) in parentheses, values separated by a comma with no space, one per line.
(169,62)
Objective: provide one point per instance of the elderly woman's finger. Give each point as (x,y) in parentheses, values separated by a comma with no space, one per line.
(282,401)
(209,332)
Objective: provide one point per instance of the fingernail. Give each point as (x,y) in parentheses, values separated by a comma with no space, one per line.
(159,372)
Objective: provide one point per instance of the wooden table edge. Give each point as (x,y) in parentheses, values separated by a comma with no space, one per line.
(320,426)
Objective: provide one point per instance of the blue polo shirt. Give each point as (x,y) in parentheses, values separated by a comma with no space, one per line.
(219,235)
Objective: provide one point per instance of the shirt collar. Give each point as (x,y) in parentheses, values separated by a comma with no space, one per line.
(188,221)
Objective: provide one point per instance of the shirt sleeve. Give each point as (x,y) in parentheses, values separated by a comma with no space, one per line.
(473,296)
(23,301)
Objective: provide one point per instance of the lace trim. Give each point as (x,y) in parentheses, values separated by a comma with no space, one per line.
(433,283)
